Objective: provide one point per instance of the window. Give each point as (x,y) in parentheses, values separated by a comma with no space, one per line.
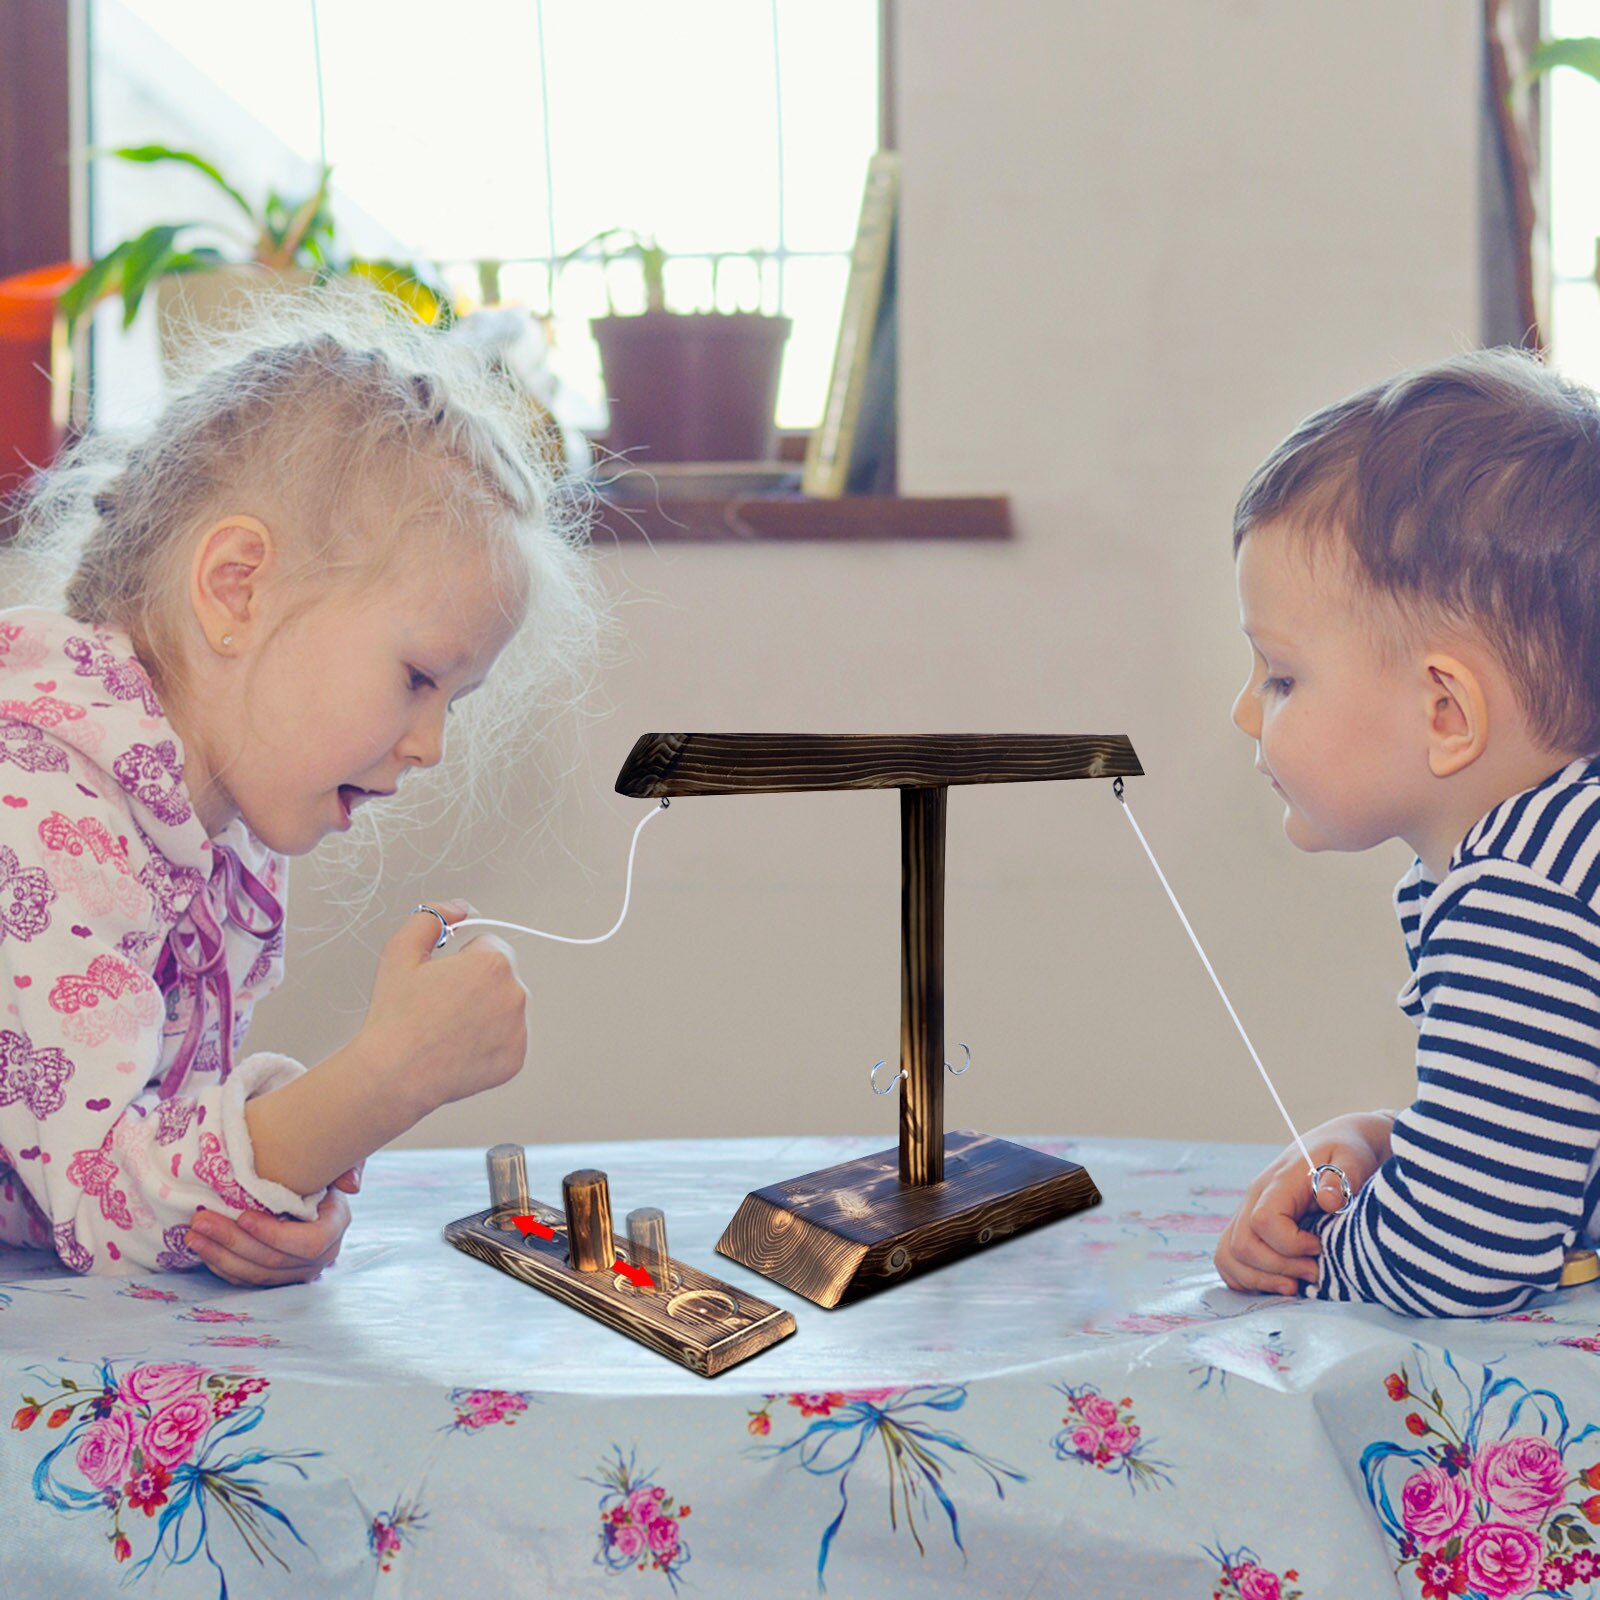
(511,131)
(1574,135)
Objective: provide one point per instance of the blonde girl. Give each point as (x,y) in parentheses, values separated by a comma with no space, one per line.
(336,531)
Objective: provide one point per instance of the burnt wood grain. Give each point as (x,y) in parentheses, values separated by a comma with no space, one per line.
(587,1198)
(848,1231)
(689,1316)
(665,765)
(922,836)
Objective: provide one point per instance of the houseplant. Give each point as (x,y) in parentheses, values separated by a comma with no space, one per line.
(285,239)
(685,385)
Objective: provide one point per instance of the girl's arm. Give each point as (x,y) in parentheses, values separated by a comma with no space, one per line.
(437,1029)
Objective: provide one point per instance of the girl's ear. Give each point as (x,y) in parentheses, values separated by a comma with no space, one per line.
(1458,715)
(232,561)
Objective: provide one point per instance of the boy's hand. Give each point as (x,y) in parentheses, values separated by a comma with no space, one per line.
(1264,1249)
(263,1250)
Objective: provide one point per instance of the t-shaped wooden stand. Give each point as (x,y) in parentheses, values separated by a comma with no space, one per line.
(850,1230)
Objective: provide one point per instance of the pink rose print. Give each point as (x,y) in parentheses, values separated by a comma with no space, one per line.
(1243,1577)
(157,1382)
(1258,1583)
(1523,1478)
(1502,1560)
(1099,1411)
(170,1434)
(1483,1513)
(1101,1432)
(107,1449)
(154,1451)
(476,1409)
(36,1076)
(1433,1504)
(639,1527)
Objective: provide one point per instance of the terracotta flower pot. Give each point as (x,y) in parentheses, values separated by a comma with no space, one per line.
(32,389)
(699,386)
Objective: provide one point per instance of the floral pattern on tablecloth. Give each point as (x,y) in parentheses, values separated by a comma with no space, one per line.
(1087,1400)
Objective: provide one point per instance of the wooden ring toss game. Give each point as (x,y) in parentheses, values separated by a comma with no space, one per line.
(638,1289)
(853,1229)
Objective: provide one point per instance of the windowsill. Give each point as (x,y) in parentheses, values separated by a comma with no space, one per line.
(796,518)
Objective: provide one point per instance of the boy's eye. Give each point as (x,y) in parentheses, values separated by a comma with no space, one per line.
(420,680)
(1274,686)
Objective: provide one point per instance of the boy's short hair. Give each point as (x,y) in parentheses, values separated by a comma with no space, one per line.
(1468,494)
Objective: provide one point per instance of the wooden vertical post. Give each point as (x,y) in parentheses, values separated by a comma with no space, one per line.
(922,836)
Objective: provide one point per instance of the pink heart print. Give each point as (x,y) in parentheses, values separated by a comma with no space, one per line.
(15,801)
(97,1105)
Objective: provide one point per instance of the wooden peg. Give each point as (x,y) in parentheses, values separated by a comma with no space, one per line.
(647,1244)
(508,1181)
(587,1197)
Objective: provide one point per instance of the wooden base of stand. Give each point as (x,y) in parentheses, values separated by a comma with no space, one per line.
(851,1230)
(694,1319)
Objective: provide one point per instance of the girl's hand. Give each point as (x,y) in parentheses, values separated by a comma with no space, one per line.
(445,1029)
(1264,1249)
(261,1249)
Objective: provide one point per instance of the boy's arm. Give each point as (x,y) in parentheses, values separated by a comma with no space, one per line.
(1484,1186)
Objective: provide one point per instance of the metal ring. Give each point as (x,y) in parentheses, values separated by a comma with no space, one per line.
(892,1082)
(955,1072)
(444,927)
(1344,1183)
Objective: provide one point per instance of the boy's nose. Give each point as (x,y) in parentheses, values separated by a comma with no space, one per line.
(1244,713)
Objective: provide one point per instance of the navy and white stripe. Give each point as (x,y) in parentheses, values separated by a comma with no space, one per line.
(1495,1167)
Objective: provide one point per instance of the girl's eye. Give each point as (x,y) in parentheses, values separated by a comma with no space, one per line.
(1274,687)
(421,680)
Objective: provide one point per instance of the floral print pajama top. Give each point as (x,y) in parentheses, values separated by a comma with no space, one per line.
(132,948)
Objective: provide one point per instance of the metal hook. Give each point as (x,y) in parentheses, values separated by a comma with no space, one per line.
(955,1071)
(892,1082)
(1116,789)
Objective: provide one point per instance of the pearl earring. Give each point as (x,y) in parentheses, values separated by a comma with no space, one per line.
(227,638)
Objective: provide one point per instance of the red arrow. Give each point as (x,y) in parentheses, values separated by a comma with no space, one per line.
(637,1276)
(533,1225)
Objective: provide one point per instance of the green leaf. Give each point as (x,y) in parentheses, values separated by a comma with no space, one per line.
(104,277)
(145,262)
(1582,53)
(148,153)
(1580,1536)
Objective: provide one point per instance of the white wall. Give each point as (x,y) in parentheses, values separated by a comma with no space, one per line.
(1140,242)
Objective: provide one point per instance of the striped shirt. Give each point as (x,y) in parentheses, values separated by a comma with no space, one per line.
(1493,1170)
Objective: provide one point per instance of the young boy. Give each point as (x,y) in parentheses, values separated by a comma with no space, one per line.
(1419,579)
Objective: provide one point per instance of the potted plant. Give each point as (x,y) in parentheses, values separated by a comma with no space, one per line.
(285,240)
(683,385)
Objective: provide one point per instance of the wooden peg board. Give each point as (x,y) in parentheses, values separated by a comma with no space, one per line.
(696,1320)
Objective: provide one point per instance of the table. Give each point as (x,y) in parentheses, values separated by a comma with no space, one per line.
(1084,1410)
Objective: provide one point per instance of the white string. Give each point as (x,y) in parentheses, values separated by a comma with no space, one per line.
(627,892)
(1127,811)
